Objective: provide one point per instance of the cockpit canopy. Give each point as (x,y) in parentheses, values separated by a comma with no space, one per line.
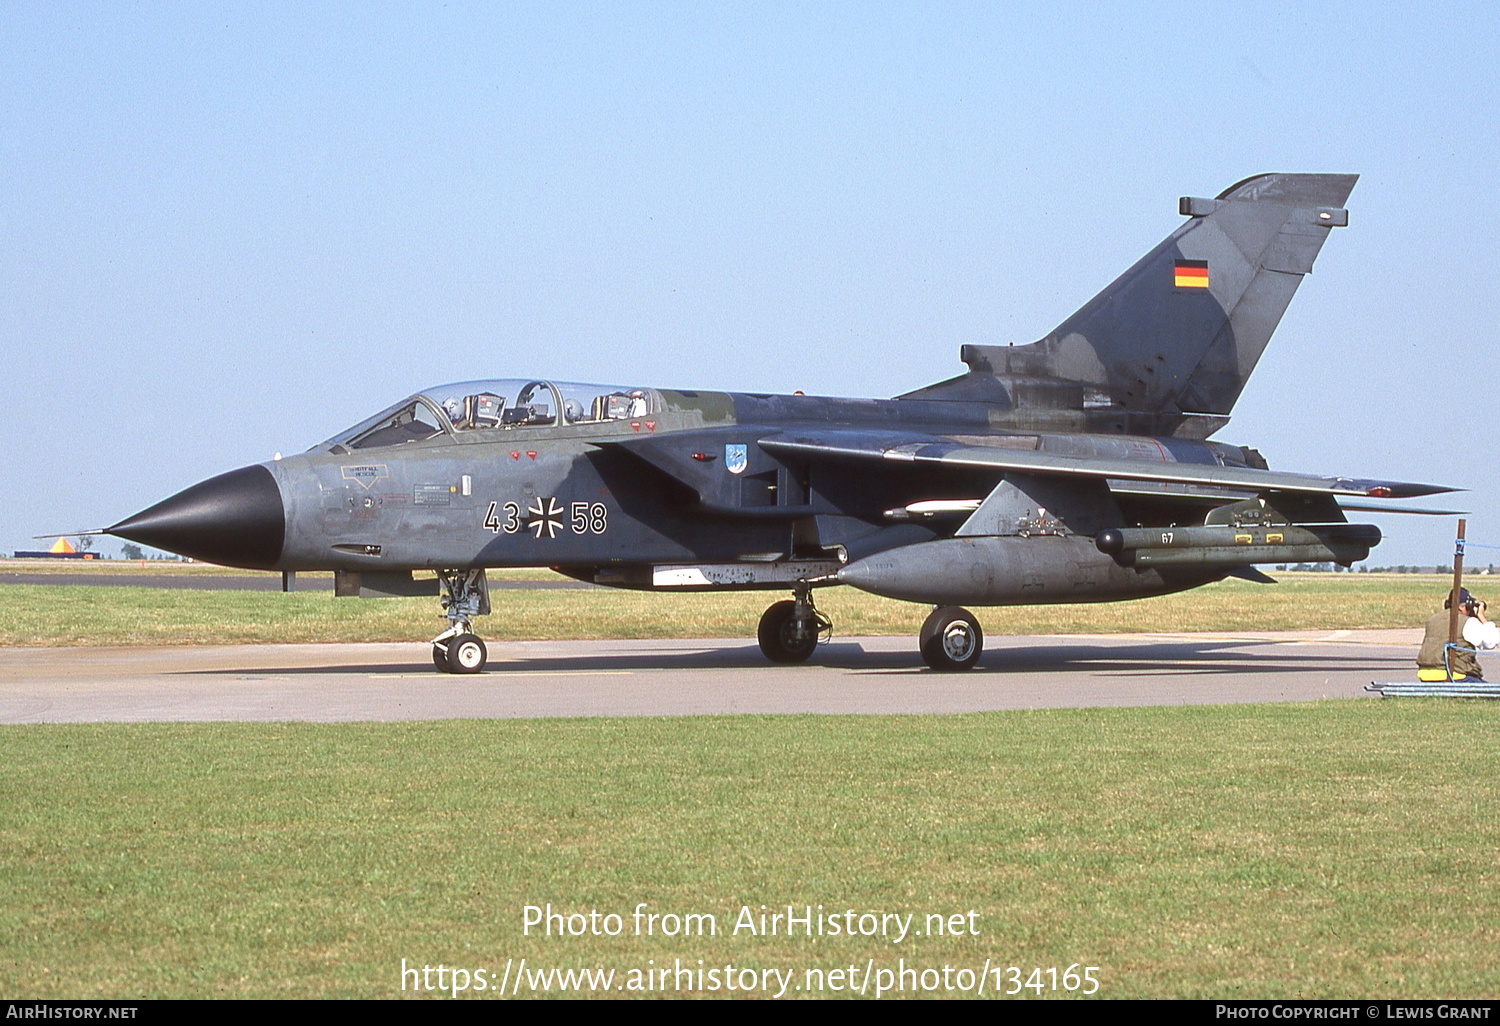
(499,405)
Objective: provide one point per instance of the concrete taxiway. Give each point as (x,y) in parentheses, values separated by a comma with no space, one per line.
(332,683)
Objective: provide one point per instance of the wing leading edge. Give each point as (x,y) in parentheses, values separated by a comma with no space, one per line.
(840,449)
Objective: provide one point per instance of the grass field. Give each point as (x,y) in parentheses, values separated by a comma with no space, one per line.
(38,615)
(1326,850)
(1335,849)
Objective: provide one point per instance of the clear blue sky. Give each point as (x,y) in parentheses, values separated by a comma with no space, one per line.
(231,232)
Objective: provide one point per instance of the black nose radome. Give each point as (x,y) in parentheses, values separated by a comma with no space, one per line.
(235,519)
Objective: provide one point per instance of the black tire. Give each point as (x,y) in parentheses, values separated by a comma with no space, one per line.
(466,654)
(777,635)
(951,639)
(440,658)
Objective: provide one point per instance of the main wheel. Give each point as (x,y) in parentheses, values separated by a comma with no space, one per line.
(440,658)
(466,654)
(778,635)
(951,639)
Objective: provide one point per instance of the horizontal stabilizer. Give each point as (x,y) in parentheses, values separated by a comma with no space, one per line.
(1409,510)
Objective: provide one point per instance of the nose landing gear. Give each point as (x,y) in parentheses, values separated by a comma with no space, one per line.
(465,595)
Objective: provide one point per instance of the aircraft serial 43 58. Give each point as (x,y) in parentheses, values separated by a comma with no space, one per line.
(1072,469)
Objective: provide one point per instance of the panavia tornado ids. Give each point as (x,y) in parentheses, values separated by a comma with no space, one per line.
(1072,469)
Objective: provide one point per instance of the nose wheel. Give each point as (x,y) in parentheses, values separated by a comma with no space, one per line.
(458,649)
(951,639)
(462,653)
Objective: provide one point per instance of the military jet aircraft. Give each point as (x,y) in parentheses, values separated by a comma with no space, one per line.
(1073,469)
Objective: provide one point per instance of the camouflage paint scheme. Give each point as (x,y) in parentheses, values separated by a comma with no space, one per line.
(1074,469)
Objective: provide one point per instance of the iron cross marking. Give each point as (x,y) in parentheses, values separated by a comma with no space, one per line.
(549,519)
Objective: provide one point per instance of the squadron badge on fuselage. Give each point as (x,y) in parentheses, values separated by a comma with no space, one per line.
(736,458)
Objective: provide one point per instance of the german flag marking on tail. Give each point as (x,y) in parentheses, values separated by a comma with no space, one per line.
(1190,274)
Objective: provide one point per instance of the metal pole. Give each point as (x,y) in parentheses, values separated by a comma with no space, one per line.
(1454,616)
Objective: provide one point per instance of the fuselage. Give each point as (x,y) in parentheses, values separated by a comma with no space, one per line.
(613,484)
(680,481)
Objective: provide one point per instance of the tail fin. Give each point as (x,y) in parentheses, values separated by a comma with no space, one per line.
(1180,332)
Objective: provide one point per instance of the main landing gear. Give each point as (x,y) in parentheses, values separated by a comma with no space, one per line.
(465,595)
(791,629)
(951,639)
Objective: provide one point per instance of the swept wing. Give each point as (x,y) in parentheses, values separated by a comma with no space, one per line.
(836,447)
